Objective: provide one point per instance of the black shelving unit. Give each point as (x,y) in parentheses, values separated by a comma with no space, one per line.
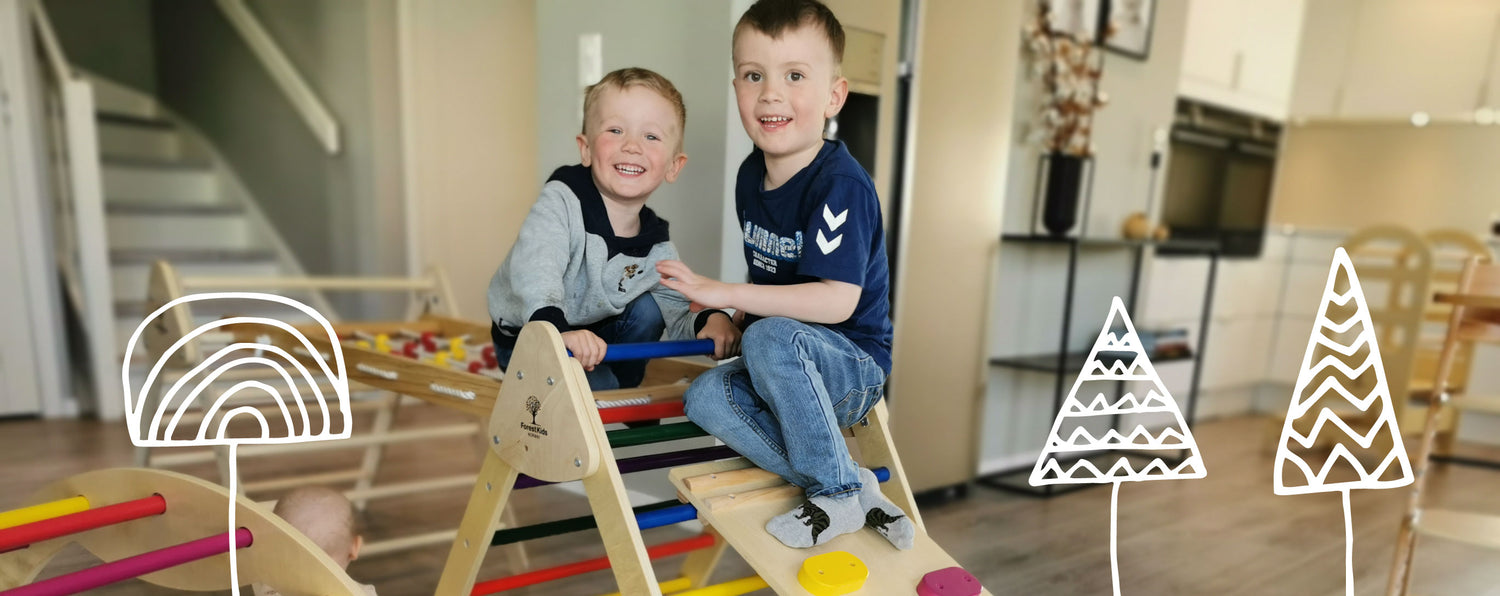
(1065,361)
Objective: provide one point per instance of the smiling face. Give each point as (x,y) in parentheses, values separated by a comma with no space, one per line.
(632,143)
(786,88)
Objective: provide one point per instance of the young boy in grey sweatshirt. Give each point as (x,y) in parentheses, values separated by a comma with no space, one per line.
(586,256)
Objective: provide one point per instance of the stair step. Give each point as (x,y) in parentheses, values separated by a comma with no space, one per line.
(118,139)
(160,229)
(131,183)
(114,98)
(148,207)
(133,120)
(146,161)
(185,256)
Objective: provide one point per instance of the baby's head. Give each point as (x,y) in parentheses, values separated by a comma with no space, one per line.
(633,122)
(326,518)
(787,81)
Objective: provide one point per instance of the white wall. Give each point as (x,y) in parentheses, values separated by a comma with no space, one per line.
(737,145)
(688,43)
(1026,305)
(347,52)
(470,132)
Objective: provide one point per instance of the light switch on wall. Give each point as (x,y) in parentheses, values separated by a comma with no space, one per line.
(590,58)
(590,64)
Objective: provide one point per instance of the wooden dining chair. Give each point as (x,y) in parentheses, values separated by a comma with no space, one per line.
(1474,317)
(1452,249)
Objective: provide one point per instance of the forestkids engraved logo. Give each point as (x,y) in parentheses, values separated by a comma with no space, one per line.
(533,405)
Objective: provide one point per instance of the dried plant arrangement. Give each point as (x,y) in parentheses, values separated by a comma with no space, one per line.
(1069,69)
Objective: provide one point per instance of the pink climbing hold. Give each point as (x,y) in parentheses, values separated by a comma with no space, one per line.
(953,581)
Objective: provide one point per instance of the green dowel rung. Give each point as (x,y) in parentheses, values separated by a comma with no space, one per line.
(563,526)
(647,435)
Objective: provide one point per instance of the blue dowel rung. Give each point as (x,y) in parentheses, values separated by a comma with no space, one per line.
(657,349)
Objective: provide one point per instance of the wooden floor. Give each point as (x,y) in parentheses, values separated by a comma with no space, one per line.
(1225,534)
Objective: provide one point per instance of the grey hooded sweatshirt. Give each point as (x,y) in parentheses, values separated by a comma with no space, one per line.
(568,268)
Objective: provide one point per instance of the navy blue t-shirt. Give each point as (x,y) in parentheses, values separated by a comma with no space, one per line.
(824,223)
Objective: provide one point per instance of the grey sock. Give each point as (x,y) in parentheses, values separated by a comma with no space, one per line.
(883,515)
(817,521)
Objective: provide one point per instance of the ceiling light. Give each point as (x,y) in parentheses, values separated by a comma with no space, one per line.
(1484,116)
(1420,119)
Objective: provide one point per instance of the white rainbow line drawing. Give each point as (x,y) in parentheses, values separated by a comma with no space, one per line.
(1176,436)
(1326,338)
(156,436)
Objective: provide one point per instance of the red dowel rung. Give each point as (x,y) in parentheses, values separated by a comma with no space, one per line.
(651,411)
(132,567)
(571,569)
(73,523)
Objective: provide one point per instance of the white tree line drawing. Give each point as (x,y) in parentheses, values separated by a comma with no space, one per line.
(1342,356)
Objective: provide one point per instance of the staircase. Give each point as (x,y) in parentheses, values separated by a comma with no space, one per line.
(168,196)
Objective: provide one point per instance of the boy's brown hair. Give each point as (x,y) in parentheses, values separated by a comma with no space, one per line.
(775,17)
(626,78)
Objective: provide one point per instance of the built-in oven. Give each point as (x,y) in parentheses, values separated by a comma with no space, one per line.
(1219,176)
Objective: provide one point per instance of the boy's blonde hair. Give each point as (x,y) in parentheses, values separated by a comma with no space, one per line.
(775,17)
(626,78)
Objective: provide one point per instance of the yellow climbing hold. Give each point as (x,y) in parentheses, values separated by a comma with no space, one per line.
(833,574)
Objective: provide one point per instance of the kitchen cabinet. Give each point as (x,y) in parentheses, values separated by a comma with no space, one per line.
(1242,54)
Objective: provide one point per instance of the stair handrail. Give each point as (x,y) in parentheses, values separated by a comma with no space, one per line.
(53,50)
(78,203)
(296,89)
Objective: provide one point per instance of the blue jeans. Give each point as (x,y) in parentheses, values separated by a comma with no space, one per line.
(640,322)
(783,403)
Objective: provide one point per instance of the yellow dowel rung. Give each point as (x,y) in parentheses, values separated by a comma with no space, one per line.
(669,586)
(744,585)
(36,513)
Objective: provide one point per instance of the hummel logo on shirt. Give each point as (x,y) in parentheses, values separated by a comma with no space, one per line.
(828,246)
(770,248)
(833,221)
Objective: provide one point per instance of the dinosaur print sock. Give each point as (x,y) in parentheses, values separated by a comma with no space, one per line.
(883,515)
(817,521)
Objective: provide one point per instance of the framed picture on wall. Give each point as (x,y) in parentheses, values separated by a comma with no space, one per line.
(1128,27)
(1079,19)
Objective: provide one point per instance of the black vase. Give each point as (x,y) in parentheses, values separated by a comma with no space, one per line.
(1060,203)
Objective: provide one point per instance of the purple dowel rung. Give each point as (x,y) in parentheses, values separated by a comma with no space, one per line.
(952,581)
(136,566)
(650,462)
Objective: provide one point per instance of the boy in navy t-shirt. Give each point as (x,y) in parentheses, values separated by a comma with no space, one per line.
(817,347)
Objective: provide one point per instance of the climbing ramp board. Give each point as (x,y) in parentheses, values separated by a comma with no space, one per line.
(737,499)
